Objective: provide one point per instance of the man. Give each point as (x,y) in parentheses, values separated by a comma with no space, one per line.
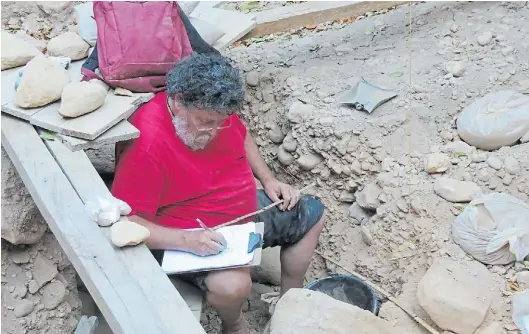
(195,159)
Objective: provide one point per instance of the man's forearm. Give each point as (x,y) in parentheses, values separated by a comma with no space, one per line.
(259,166)
(163,237)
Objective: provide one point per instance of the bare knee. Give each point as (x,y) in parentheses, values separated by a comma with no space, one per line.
(232,284)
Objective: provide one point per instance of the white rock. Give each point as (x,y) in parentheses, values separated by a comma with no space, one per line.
(16,51)
(368,197)
(299,112)
(507,50)
(449,294)
(23,307)
(485,38)
(456,191)
(495,163)
(522,278)
(309,161)
(42,83)
(80,98)
(458,148)
(53,294)
(252,78)
(302,311)
(284,157)
(128,233)
(358,213)
(38,43)
(512,166)
(69,45)
(456,68)
(437,163)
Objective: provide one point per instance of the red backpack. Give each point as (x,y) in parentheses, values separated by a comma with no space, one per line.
(137,44)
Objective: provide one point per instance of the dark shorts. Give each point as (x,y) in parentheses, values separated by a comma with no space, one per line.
(281,228)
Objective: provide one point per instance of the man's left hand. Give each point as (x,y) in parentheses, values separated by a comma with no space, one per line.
(278,190)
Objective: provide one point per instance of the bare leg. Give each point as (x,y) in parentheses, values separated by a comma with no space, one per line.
(227,291)
(296,258)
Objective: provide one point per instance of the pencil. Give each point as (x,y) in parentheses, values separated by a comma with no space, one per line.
(202,224)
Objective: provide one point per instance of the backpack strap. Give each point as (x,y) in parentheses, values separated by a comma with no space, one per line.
(91,64)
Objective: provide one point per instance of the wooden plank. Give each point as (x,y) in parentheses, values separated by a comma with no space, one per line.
(234,24)
(115,290)
(87,325)
(313,12)
(90,126)
(161,295)
(120,132)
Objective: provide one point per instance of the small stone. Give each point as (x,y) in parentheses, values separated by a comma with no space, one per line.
(450,297)
(366,235)
(276,135)
(368,197)
(33,286)
(456,191)
(507,179)
(495,163)
(483,175)
(252,78)
(308,161)
(455,68)
(458,148)
(128,233)
(284,157)
(23,307)
(53,294)
(512,166)
(358,213)
(454,27)
(43,270)
(485,38)
(299,112)
(346,197)
(437,163)
(20,256)
(479,157)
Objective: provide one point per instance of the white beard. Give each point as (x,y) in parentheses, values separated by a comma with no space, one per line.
(182,131)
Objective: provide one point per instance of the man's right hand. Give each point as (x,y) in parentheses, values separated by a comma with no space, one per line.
(204,242)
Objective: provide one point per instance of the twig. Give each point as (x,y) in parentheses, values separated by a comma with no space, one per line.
(383,292)
(236,220)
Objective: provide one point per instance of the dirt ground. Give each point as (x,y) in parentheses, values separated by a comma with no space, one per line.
(394,245)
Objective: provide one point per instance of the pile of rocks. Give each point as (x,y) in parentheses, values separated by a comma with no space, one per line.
(39,286)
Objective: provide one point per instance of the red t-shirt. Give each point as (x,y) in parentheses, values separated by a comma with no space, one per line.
(167,183)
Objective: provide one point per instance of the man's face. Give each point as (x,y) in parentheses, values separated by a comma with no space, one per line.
(196,128)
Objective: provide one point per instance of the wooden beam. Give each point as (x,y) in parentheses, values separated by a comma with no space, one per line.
(120,132)
(313,12)
(117,293)
(161,295)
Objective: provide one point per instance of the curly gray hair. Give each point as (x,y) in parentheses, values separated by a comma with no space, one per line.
(207,82)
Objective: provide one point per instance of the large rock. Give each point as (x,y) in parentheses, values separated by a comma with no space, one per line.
(437,163)
(42,83)
(456,191)
(80,98)
(16,51)
(69,45)
(368,197)
(455,297)
(128,233)
(269,270)
(309,161)
(284,157)
(40,44)
(22,222)
(299,112)
(302,311)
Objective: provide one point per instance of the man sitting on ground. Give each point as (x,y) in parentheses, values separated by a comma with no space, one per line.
(195,159)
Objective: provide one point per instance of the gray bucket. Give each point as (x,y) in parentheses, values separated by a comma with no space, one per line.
(348,289)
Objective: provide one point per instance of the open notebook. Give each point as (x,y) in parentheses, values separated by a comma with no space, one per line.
(235,255)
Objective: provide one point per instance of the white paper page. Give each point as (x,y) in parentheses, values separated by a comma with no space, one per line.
(236,253)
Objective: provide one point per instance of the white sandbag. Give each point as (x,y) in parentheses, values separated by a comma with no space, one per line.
(106,211)
(16,51)
(86,24)
(209,32)
(495,120)
(80,98)
(68,44)
(494,229)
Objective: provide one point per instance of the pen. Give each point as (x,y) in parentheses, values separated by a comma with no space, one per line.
(202,224)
